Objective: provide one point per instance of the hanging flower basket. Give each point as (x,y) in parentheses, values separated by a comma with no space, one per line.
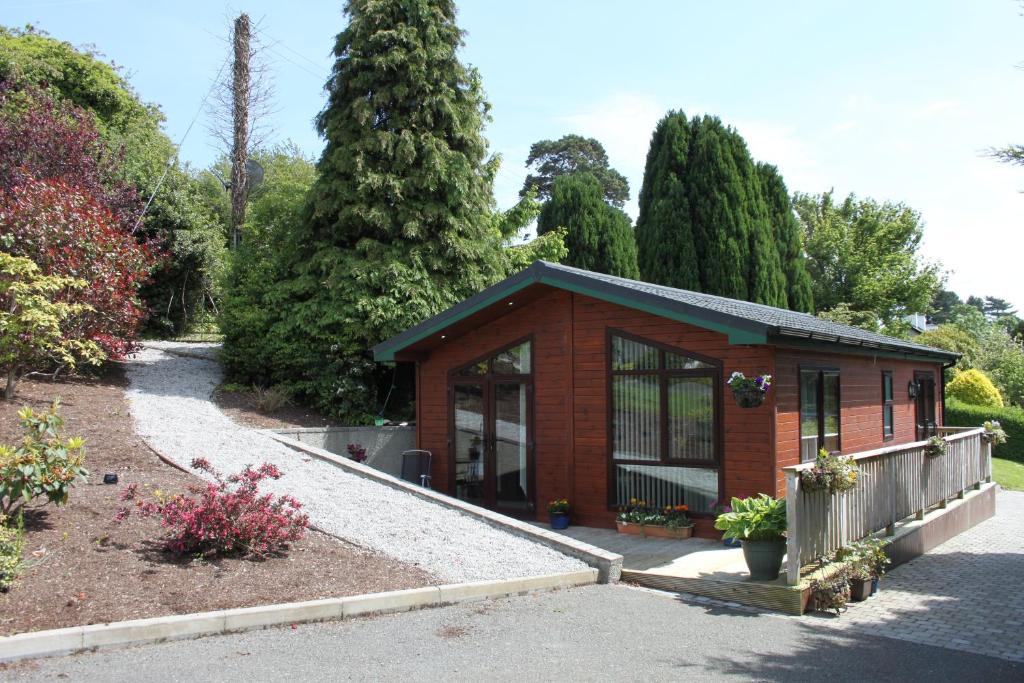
(748,392)
(935,447)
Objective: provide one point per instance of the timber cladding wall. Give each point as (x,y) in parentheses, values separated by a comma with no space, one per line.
(548,321)
(860,393)
(748,433)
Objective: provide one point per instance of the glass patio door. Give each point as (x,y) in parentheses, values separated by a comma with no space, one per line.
(491,439)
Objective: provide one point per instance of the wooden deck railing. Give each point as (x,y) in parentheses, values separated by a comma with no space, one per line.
(896,482)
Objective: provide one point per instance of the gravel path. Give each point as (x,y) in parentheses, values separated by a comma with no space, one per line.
(169,397)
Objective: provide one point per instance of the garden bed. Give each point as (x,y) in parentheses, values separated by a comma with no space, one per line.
(242,406)
(84,568)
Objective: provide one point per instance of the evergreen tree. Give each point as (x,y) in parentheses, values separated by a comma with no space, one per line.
(706,220)
(573,154)
(599,237)
(788,239)
(666,250)
(400,222)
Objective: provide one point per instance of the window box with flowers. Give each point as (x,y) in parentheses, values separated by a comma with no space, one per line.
(748,392)
(558,513)
(642,519)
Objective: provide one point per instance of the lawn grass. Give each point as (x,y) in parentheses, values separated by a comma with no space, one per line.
(1008,474)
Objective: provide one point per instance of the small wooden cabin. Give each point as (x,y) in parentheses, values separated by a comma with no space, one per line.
(564,383)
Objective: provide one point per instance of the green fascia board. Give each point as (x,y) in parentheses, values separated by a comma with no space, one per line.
(388,353)
(737,335)
(858,350)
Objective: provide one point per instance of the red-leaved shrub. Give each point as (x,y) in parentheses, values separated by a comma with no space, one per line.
(68,233)
(228,516)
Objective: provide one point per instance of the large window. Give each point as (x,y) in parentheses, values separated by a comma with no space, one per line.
(888,428)
(819,412)
(664,417)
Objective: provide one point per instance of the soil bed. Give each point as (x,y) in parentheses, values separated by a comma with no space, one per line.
(85,568)
(243,408)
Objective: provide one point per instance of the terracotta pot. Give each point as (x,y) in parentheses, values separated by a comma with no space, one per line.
(664,532)
(627,528)
(748,398)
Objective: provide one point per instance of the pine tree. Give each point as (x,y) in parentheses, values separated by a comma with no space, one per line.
(788,238)
(666,251)
(599,237)
(399,221)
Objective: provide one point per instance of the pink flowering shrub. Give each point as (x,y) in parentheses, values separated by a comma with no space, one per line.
(228,516)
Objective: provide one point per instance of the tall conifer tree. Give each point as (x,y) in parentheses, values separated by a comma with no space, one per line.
(599,236)
(788,239)
(399,220)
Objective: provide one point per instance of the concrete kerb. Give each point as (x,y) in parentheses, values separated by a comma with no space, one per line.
(66,641)
(608,564)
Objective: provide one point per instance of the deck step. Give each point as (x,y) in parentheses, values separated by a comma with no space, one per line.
(772,596)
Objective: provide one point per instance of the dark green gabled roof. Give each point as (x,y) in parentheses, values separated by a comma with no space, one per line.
(744,322)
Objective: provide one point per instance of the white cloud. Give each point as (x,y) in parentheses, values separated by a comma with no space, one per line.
(935,108)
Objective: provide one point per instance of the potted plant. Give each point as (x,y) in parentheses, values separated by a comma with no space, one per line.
(356,452)
(718,507)
(642,519)
(558,511)
(935,446)
(832,473)
(994,433)
(866,561)
(759,523)
(748,392)
(832,593)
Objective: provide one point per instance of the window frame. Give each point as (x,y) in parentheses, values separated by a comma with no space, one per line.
(821,371)
(663,374)
(889,404)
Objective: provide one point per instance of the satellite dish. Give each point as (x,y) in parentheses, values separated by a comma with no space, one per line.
(254,173)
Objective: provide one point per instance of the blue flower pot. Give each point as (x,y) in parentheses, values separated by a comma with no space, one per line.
(874,585)
(732,543)
(559,520)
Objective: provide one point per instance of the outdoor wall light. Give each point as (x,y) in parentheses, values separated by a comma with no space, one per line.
(912,389)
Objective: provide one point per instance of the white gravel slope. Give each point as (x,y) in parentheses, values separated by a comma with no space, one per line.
(169,398)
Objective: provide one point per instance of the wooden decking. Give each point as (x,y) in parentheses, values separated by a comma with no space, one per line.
(695,565)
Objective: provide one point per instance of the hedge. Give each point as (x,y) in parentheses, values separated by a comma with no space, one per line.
(1011,418)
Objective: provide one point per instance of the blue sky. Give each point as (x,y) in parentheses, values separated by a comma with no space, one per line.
(889,100)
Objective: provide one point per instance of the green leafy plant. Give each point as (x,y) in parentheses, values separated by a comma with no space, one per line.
(994,433)
(758,518)
(935,447)
(830,594)
(44,465)
(558,507)
(34,323)
(12,545)
(866,559)
(833,473)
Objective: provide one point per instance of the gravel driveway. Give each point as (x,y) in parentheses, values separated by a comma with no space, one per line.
(169,396)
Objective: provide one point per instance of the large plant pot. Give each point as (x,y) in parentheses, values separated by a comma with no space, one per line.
(860,589)
(559,520)
(655,531)
(764,558)
(748,398)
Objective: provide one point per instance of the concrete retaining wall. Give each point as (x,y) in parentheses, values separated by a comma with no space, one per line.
(384,445)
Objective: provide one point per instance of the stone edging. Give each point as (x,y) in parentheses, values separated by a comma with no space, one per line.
(608,565)
(65,641)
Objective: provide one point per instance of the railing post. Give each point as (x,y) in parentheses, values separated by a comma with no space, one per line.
(987,445)
(793,505)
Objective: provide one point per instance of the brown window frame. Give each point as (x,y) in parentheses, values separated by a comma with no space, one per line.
(663,374)
(820,402)
(888,406)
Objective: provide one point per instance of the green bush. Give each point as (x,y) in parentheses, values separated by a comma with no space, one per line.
(12,544)
(43,465)
(1011,418)
(975,388)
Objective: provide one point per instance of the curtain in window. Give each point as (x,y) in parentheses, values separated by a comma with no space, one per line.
(691,418)
(636,417)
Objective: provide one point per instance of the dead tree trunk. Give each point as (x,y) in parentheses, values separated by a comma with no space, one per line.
(240,94)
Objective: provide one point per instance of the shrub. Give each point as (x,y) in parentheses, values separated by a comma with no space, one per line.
(67,233)
(12,545)
(974,387)
(44,465)
(1010,418)
(228,516)
(33,326)
(270,399)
